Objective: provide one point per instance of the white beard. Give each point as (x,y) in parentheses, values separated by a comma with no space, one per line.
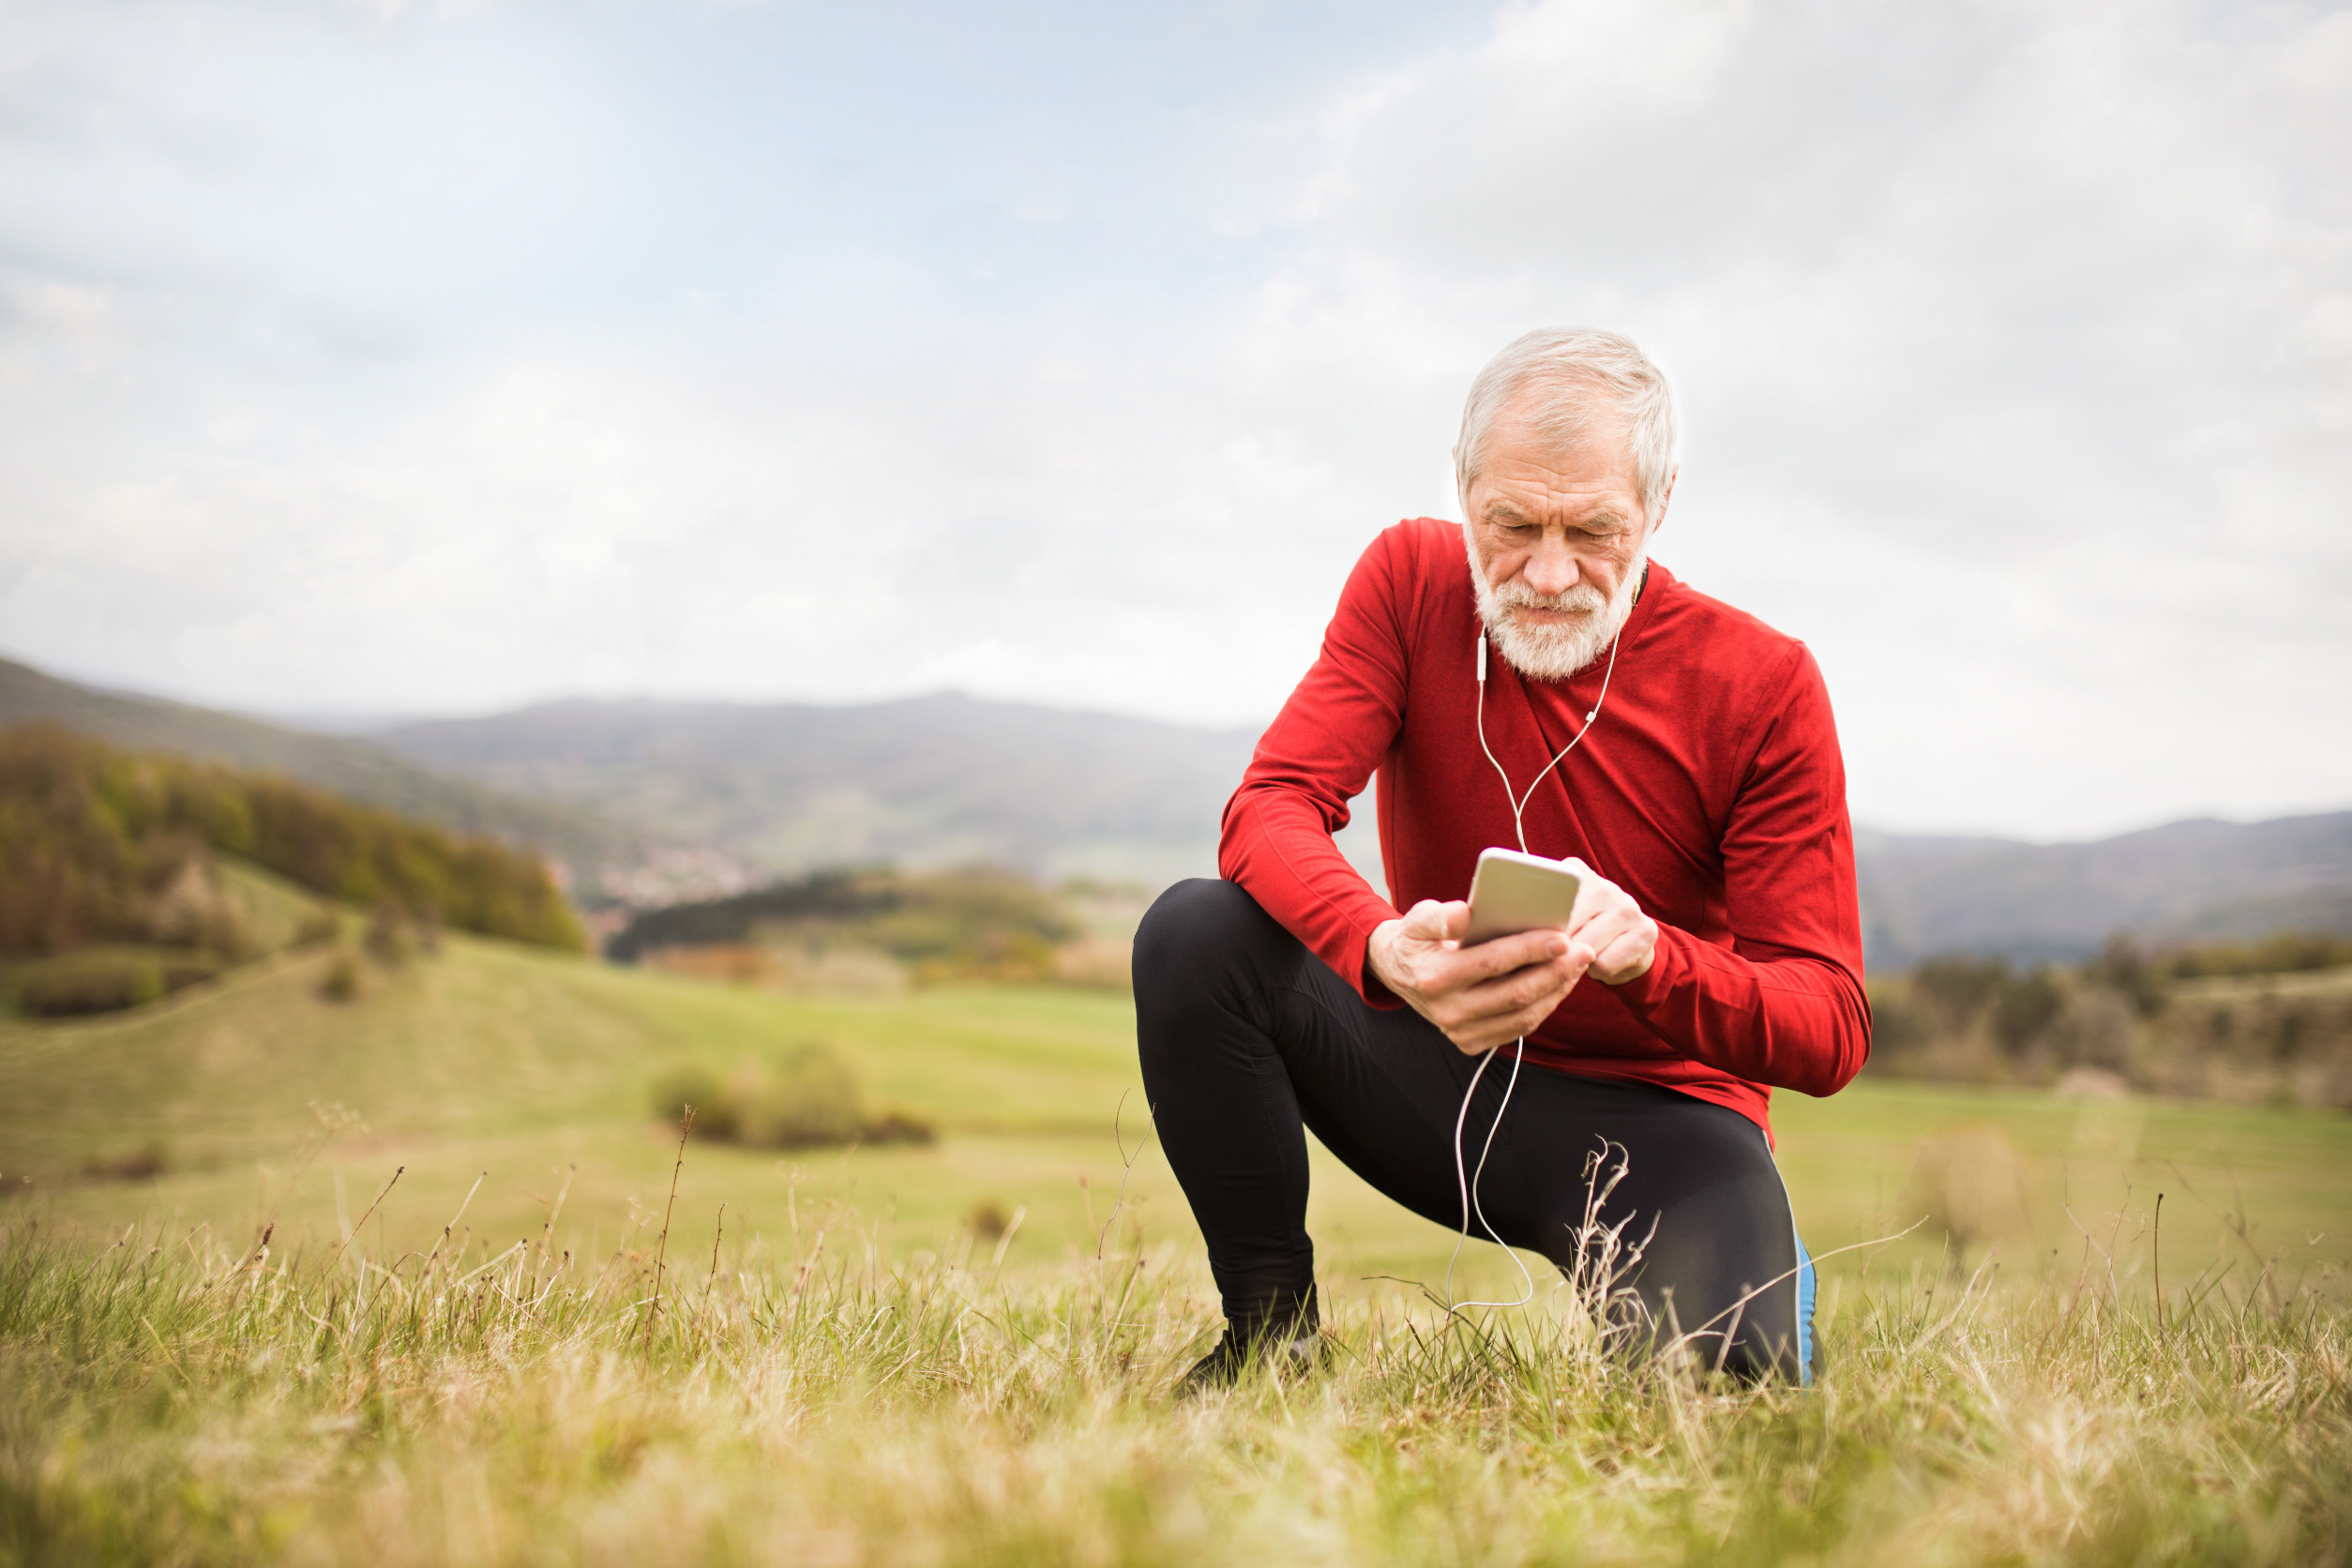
(1558,651)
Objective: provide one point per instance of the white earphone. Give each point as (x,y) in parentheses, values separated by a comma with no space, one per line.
(1468,1182)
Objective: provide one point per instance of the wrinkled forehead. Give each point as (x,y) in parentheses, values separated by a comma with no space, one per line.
(1589,458)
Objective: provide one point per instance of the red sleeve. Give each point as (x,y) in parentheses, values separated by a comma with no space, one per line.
(1318,754)
(1784,1005)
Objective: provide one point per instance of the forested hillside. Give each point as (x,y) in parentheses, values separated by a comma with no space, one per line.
(93,840)
(352,769)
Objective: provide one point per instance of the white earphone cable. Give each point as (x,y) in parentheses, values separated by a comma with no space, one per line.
(1468,1182)
(1519,802)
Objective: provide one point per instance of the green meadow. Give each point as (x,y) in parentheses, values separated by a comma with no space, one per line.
(267,1105)
(554,1340)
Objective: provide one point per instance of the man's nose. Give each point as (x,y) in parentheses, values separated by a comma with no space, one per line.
(1552,567)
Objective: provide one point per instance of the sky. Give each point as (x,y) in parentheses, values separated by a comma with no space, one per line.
(405,359)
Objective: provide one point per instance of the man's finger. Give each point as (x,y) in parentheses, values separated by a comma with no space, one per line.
(1514,991)
(1530,984)
(1518,1025)
(1531,1018)
(1626,952)
(1505,954)
(1609,943)
(1537,984)
(1595,932)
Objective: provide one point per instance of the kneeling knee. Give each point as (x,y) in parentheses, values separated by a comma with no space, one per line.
(1196,928)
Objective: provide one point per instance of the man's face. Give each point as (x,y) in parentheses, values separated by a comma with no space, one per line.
(1557,541)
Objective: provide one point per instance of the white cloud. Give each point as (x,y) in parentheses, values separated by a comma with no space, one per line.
(2015,342)
(1995,331)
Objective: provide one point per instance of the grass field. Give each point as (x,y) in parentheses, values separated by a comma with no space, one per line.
(523,1069)
(848,1373)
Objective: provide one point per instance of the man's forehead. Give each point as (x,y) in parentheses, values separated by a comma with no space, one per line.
(1548,472)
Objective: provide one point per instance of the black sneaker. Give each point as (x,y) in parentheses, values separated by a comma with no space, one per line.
(1296,1354)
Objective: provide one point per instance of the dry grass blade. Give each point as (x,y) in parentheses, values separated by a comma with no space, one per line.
(653,1310)
(397,1173)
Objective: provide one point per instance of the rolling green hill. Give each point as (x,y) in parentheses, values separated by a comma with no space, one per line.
(527,1069)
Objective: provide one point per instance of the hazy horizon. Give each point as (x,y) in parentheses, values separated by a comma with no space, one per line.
(356,725)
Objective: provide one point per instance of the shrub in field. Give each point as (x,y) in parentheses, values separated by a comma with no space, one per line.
(805,1096)
(392,937)
(900,1127)
(95,980)
(2095,1026)
(2260,1022)
(340,980)
(692,1086)
(1970,1185)
(1099,962)
(320,924)
(143,1163)
(2023,1008)
(107,980)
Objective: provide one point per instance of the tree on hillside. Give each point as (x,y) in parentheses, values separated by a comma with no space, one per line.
(91,839)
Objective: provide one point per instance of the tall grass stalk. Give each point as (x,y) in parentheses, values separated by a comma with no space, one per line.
(166,1400)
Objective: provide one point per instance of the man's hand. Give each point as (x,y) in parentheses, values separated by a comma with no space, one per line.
(1623,940)
(1480,997)
(1502,990)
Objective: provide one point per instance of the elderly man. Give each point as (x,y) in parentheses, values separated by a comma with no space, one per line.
(1683,750)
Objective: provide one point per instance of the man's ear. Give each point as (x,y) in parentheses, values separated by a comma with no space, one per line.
(1659,522)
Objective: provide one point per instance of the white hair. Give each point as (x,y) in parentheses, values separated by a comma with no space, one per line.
(1564,381)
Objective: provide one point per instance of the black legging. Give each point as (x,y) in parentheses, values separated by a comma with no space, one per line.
(1246,1037)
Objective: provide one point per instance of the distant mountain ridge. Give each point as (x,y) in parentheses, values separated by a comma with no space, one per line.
(933,780)
(921,782)
(780,789)
(2202,879)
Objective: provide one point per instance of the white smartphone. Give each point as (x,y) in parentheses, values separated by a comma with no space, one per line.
(1512,892)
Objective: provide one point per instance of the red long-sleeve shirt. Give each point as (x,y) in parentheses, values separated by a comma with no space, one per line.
(1710,790)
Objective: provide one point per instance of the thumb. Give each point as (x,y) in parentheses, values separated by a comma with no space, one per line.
(1430,921)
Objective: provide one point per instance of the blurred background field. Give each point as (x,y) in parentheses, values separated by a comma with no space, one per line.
(960,1350)
(257,1101)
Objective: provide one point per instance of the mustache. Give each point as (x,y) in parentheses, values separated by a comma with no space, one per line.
(1582,599)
